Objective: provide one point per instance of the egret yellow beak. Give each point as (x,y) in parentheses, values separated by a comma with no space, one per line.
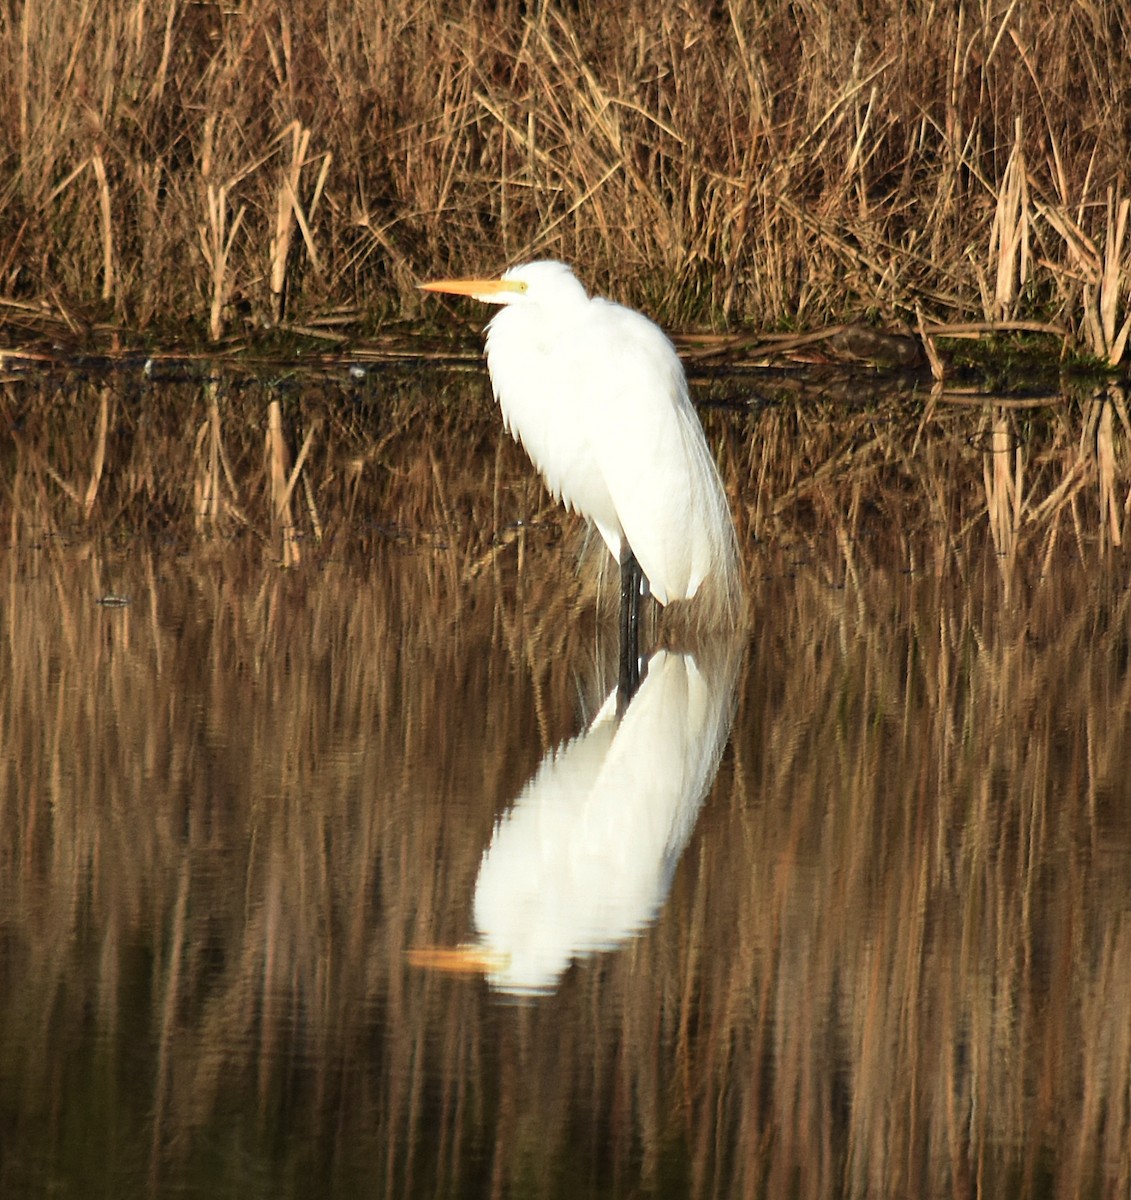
(456,960)
(481,289)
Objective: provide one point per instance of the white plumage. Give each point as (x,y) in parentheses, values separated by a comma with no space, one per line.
(584,858)
(596,395)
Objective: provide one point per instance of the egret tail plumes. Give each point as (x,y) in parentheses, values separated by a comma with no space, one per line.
(597,396)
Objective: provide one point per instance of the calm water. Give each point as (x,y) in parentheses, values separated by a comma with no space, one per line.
(345,878)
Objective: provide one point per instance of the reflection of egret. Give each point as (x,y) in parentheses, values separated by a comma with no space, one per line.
(595,393)
(586,855)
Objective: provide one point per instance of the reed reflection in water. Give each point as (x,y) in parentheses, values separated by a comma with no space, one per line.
(895,953)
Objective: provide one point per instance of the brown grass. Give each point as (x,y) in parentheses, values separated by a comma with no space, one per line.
(225,167)
(895,957)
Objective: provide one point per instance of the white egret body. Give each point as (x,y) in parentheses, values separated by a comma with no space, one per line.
(596,395)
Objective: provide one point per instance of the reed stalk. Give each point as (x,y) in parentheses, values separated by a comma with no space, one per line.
(290,212)
(217,237)
(281,483)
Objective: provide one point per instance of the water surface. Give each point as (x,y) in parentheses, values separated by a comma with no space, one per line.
(839,907)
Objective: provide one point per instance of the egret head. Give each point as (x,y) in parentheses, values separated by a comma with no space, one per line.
(535,282)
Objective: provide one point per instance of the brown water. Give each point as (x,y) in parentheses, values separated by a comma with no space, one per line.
(842,907)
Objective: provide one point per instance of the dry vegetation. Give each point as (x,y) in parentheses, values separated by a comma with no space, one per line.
(896,958)
(226,166)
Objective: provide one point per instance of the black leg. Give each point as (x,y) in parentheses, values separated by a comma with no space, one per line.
(631,581)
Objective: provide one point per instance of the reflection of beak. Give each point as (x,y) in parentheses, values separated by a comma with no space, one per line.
(483,289)
(457,960)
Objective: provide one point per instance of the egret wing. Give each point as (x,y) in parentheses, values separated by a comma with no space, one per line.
(540,377)
(650,452)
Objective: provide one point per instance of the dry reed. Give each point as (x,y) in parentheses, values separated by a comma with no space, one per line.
(713,162)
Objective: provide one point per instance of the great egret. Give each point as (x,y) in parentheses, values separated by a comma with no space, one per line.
(596,395)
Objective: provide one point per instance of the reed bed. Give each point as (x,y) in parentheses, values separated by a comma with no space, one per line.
(215,170)
(895,956)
